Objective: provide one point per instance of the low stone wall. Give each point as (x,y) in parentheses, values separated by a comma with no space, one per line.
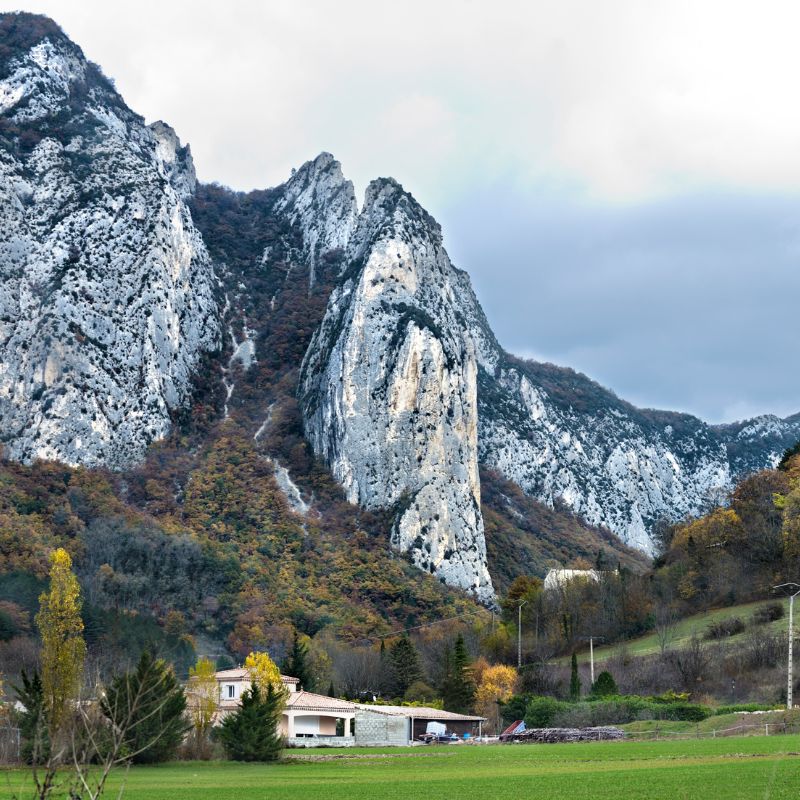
(321,741)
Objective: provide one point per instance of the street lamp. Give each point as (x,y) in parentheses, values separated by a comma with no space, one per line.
(789,679)
(519,632)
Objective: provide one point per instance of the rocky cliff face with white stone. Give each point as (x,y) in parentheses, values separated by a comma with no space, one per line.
(389,389)
(562,437)
(106,292)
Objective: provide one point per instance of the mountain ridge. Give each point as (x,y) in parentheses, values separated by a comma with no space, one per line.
(292,304)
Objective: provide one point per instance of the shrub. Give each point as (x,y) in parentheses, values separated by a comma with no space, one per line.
(724,628)
(541,711)
(768,613)
(605,685)
(670,697)
(545,712)
(686,712)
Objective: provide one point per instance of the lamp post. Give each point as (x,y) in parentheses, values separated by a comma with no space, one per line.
(519,632)
(790,676)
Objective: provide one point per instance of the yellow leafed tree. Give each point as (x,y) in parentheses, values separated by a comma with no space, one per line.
(497,683)
(202,696)
(263,671)
(61,628)
(203,692)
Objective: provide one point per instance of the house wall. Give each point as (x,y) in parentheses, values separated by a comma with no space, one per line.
(327,726)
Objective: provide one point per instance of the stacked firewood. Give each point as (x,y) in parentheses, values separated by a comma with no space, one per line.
(558,735)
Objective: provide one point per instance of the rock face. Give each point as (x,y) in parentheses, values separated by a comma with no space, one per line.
(106,301)
(389,389)
(322,204)
(562,437)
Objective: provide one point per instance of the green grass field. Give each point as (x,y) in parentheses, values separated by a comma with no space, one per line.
(767,768)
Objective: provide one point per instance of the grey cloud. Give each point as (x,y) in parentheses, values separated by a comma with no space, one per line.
(688,304)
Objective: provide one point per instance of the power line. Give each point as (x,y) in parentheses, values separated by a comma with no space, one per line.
(415,627)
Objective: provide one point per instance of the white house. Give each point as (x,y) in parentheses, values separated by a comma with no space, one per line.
(308,719)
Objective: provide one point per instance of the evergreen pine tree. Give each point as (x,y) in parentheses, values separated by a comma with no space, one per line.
(405,661)
(574,680)
(32,725)
(458,687)
(148,704)
(251,733)
(296,665)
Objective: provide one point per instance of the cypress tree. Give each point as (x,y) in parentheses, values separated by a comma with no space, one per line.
(458,687)
(331,690)
(405,660)
(386,677)
(149,705)
(574,680)
(251,733)
(296,665)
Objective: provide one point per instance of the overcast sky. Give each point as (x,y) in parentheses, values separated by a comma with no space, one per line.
(621,179)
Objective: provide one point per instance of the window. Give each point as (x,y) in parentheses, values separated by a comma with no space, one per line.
(231,691)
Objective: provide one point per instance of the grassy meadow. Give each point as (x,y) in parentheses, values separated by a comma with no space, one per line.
(697,624)
(728,769)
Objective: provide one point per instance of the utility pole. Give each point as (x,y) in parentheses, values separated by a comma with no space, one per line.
(789,670)
(591,653)
(519,633)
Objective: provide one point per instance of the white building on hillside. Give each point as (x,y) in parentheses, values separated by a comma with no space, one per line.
(558,578)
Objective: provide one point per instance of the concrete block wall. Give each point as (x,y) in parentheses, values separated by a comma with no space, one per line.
(376,730)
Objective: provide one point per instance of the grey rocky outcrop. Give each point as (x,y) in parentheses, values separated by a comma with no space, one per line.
(106,290)
(389,392)
(109,300)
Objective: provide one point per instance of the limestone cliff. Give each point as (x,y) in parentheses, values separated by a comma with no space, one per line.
(106,290)
(389,392)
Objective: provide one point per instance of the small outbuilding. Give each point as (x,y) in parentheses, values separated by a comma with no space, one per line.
(378,724)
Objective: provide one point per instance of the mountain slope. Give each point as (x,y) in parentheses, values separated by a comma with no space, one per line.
(403,322)
(562,437)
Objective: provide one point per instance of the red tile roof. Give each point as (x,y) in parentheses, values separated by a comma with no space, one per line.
(240,673)
(308,701)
